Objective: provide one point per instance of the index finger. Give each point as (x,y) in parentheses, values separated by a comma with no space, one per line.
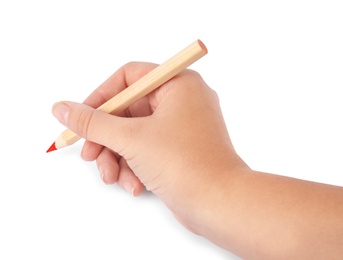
(121,79)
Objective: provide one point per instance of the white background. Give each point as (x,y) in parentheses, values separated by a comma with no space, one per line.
(276,65)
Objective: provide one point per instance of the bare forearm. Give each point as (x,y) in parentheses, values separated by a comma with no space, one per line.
(270,216)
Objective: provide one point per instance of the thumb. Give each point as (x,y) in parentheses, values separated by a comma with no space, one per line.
(94,125)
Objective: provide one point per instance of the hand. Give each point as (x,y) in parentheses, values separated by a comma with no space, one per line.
(173,141)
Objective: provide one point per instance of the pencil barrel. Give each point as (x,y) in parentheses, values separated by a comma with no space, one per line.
(143,86)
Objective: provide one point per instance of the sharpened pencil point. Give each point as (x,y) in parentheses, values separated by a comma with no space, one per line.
(52,148)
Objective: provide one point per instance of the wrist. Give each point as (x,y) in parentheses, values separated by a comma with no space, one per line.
(206,206)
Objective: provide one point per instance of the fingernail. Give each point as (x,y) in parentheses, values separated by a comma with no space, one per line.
(61,112)
(102,174)
(129,188)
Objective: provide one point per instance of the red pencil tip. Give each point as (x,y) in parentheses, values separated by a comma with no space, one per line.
(52,148)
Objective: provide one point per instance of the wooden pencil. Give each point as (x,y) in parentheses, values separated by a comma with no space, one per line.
(141,87)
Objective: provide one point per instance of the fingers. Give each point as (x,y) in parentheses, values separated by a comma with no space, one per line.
(90,151)
(96,126)
(113,168)
(108,166)
(128,180)
(121,79)
(118,81)
(112,171)
(115,132)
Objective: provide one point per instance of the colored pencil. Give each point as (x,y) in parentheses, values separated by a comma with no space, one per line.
(141,87)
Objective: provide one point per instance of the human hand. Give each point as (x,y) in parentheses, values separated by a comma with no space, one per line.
(173,141)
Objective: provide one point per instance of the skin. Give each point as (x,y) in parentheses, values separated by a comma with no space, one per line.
(174,142)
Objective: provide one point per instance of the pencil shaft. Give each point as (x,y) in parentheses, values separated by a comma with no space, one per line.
(143,86)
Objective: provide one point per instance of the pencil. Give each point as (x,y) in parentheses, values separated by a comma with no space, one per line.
(141,87)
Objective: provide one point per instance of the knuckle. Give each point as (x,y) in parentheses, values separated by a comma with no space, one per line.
(192,73)
(131,64)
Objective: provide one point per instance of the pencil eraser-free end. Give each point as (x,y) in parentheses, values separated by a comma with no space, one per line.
(202,45)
